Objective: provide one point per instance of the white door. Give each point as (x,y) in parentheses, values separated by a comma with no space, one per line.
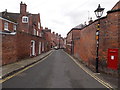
(32,51)
(40,47)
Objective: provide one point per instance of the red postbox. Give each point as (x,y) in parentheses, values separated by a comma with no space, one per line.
(112,59)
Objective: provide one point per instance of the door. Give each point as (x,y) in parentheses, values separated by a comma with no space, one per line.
(32,51)
(40,47)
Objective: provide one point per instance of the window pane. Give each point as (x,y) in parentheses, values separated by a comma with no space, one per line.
(25,19)
(14,27)
(5,26)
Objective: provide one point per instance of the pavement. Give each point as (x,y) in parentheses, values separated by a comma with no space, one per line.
(111,80)
(10,69)
(108,78)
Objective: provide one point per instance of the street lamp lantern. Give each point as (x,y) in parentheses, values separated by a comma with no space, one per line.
(99,11)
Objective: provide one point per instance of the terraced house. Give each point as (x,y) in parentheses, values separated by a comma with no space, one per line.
(22,35)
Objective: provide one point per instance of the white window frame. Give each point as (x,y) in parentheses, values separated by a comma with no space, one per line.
(37,33)
(24,19)
(38,25)
(34,31)
(6,26)
(14,27)
(40,34)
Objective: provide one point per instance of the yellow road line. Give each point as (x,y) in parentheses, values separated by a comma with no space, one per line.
(92,75)
(9,77)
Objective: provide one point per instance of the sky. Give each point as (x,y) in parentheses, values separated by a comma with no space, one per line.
(60,15)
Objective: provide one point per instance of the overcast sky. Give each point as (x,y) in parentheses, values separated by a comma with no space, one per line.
(60,15)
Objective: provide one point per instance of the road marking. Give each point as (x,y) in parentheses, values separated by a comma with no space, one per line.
(92,75)
(11,76)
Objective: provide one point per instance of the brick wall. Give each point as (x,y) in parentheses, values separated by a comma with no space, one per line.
(72,36)
(24,43)
(9,53)
(85,47)
(10,25)
(0,41)
(0,50)
(1,25)
(17,47)
(119,37)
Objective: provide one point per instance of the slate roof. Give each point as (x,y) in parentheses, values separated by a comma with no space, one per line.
(10,16)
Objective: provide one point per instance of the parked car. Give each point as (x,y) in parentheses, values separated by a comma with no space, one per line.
(56,48)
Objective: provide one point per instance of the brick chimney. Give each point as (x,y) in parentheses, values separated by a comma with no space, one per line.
(56,34)
(53,33)
(91,21)
(59,35)
(23,8)
(46,28)
(41,28)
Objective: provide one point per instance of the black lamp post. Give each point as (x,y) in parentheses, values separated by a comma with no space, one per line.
(98,13)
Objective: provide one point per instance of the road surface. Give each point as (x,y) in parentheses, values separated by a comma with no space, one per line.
(56,71)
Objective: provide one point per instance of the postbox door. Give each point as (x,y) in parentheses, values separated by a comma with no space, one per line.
(113,59)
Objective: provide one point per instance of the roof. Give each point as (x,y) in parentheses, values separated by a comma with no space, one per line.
(10,16)
(8,20)
(117,10)
(84,26)
(117,5)
(79,26)
(73,30)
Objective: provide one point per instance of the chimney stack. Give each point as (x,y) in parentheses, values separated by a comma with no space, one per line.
(91,21)
(53,32)
(59,35)
(46,28)
(41,28)
(23,8)
(56,34)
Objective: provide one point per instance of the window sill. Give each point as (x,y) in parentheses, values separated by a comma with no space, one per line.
(6,30)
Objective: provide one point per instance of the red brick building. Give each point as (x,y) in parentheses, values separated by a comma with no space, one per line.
(73,34)
(7,25)
(22,35)
(26,22)
(47,37)
(85,44)
(57,40)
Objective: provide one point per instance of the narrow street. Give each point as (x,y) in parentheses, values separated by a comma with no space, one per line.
(57,71)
